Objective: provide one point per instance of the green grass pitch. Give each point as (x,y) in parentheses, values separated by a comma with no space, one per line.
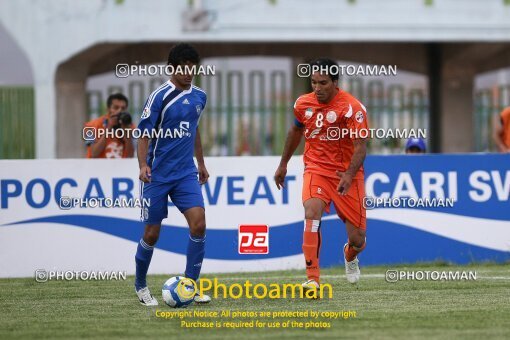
(405,309)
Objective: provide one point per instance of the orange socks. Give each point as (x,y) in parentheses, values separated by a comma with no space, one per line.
(311,248)
(351,251)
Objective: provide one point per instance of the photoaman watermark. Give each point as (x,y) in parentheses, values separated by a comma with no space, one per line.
(249,290)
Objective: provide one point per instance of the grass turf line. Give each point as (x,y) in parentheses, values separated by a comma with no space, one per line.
(406,309)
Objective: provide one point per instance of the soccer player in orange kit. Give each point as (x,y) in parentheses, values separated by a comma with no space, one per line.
(332,122)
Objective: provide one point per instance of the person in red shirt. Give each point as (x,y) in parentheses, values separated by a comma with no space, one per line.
(501,132)
(104,146)
(335,127)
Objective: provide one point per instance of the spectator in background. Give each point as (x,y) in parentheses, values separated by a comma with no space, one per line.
(115,118)
(501,130)
(415,146)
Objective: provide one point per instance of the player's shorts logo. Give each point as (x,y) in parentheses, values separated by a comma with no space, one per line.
(308,113)
(253,239)
(319,190)
(359,117)
(331,116)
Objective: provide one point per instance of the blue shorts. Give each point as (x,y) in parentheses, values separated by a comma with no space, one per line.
(185,193)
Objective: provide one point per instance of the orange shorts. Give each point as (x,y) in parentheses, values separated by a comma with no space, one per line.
(348,207)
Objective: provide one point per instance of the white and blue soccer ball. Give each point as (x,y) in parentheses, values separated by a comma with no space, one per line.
(178,292)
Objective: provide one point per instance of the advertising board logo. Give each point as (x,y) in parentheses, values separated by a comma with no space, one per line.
(253,239)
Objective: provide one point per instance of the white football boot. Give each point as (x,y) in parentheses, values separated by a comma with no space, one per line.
(146,298)
(310,284)
(202,299)
(351,269)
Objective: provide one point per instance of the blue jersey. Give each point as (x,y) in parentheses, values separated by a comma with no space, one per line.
(172,116)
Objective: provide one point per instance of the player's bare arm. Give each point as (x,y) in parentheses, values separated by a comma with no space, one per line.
(358,157)
(203,174)
(98,146)
(145,170)
(291,144)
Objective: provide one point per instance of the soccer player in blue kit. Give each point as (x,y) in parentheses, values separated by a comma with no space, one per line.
(167,167)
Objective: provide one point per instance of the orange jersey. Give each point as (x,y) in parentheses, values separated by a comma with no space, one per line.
(114,147)
(505,121)
(329,130)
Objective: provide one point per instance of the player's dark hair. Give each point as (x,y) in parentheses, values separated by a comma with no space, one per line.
(117,96)
(326,64)
(183,53)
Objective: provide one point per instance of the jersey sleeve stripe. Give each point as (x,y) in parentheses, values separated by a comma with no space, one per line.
(155,94)
(198,89)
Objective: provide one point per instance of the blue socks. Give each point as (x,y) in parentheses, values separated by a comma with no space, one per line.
(194,257)
(143,259)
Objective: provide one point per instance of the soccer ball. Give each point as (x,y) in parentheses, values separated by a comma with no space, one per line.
(178,292)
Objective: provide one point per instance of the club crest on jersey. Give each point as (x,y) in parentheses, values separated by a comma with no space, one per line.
(359,117)
(308,113)
(199,109)
(146,113)
(331,116)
